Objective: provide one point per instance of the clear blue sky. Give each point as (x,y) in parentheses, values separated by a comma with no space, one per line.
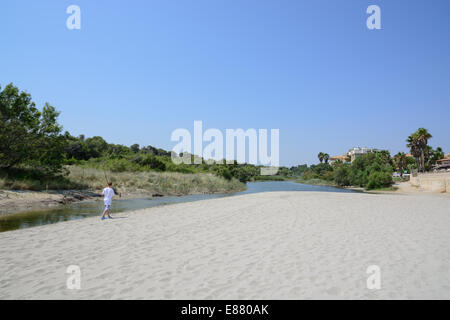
(137,70)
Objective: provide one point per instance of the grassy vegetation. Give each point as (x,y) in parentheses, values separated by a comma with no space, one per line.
(36,180)
(164,183)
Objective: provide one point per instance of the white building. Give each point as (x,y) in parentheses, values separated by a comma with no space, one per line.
(357,151)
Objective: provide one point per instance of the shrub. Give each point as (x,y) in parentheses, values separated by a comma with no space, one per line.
(309,175)
(379,179)
(153,163)
(224,172)
(342,175)
(328,175)
(241,174)
(181,168)
(370,171)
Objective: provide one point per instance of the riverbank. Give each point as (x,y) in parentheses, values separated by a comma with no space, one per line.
(397,188)
(37,217)
(315,182)
(128,184)
(321,182)
(277,245)
(14,201)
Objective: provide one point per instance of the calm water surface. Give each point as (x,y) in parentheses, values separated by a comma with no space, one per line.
(95,208)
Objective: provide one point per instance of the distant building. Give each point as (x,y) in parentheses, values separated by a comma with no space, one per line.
(445,160)
(357,152)
(342,158)
(443,164)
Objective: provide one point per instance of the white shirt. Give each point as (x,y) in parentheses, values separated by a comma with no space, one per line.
(108,194)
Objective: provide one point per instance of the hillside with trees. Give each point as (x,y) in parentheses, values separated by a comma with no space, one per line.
(35,154)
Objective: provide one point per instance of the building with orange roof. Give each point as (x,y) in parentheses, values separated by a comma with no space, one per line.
(343,158)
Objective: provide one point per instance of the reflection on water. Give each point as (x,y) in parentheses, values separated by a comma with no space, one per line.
(95,208)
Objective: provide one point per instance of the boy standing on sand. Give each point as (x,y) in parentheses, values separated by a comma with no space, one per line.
(107,194)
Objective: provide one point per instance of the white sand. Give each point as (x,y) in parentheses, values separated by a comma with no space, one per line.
(281,245)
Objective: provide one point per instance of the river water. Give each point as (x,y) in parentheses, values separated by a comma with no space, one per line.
(94,208)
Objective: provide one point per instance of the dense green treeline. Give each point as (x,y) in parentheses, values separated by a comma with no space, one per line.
(374,170)
(97,153)
(34,148)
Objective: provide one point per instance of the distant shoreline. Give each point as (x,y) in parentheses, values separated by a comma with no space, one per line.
(21,201)
(320,182)
(18,201)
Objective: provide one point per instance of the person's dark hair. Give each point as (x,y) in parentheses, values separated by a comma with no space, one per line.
(109,184)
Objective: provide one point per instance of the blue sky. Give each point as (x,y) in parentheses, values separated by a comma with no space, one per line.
(137,70)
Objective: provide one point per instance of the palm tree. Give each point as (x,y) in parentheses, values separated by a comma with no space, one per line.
(423,136)
(326,157)
(400,162)
(432,156)
(320,156)
(413,145)
(418,142)
(437,155)
(427,155)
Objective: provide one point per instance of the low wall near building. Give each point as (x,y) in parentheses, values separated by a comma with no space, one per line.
(435,182)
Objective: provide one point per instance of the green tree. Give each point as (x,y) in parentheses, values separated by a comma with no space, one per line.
(118,151)
(401,162)
(19,125)
(371,170)
(417,142)
(96,147)
(432,156)
(28,136)
(320,156)
(413,145)
(298,170)
(75,147)
(50,144)
(422,137)
(342,175)
(135,148)
(153,163)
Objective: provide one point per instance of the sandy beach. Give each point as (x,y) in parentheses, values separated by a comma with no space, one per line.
(277,245)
